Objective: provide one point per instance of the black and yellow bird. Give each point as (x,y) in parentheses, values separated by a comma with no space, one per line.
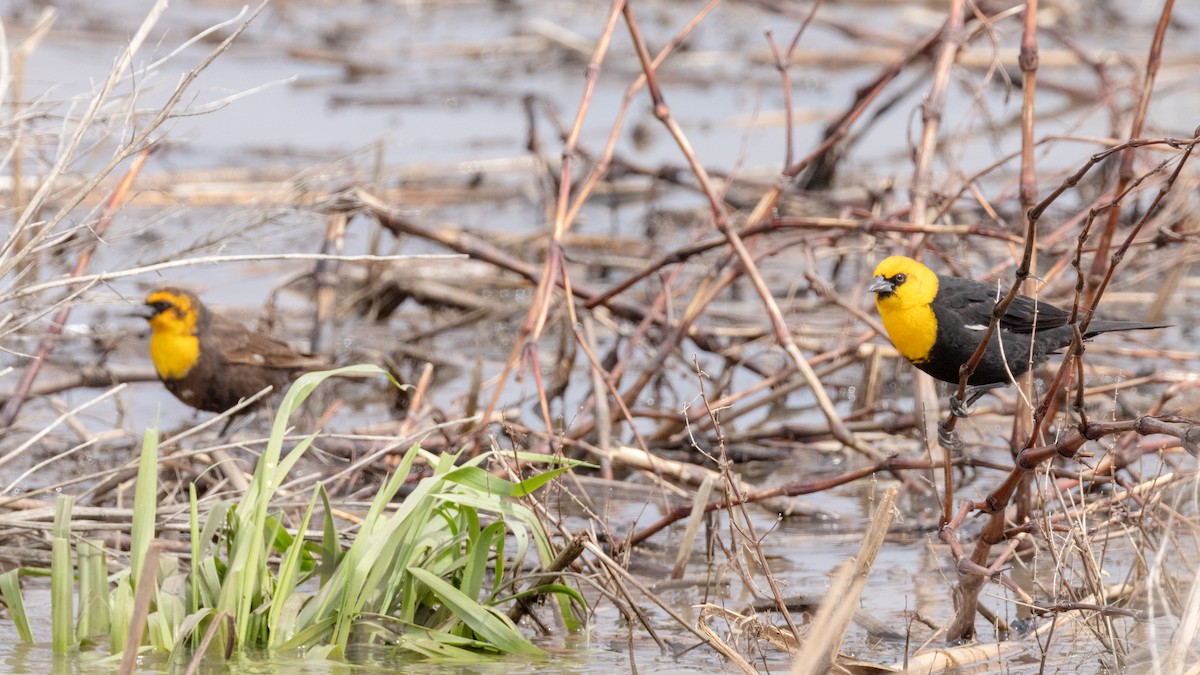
(212,362)
(937,321)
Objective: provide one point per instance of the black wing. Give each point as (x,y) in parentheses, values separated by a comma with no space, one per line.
(973,302)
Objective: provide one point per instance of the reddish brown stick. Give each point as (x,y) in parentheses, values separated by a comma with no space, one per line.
(13,407)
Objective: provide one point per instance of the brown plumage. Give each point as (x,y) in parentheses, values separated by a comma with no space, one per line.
(212,362)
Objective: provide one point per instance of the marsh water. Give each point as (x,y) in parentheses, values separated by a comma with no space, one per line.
(431,102)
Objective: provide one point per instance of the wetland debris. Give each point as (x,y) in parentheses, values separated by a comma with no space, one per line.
(697,331)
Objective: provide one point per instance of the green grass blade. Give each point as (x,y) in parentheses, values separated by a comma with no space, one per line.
(217,519)
(488,483)
(93,589)
(439,646)
(187,632)
(391,542)
(10,592)
(344,596)
(297,451)
(498,579)
(385,494)
(122,615)
(247,562)
(145,503)
(331,548)
(170,600)
(62,579)
(548,589)
(287,578)
(311,635)
(488,624)
(208,582)
(197,548)
(478,550)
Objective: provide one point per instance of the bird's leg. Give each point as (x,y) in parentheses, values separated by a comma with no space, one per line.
(233,424)
(948,437)
(974,393)
(228,465)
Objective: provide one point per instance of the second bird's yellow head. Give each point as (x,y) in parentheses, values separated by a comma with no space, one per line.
(172,311)
(174,316)
(901,283)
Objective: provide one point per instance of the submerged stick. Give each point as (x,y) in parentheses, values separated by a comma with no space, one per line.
(550,575)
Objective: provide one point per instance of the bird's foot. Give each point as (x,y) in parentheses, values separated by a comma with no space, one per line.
(958,408)
(948,438)
(962,408)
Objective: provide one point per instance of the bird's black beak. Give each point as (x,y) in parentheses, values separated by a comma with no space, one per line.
(881,286)
(146,311)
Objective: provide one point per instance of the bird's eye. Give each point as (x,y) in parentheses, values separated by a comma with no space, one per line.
(899,278)
(161,306)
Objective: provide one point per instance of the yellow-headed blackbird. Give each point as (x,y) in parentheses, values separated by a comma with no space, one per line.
(936,322)
(210,361)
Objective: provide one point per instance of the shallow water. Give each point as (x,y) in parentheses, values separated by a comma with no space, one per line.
(438,89)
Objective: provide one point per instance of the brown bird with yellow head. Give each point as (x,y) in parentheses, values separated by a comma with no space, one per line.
(212,362)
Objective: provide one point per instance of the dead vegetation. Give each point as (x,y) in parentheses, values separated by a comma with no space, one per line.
(715,357)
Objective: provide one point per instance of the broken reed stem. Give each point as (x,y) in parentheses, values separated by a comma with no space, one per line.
(600,390)
(1125,170)
(695,518)
(1022,424)
(820,648)
(920,191)
(325,276)
(932,109)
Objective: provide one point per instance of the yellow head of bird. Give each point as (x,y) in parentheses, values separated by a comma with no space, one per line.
(173,315)
(901,283)
(173,311)
(904,289)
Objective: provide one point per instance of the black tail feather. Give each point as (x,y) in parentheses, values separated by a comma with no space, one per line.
(1098,327)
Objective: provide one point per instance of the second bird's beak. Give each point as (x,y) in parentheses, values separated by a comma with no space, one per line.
(147,312)
(881,285)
